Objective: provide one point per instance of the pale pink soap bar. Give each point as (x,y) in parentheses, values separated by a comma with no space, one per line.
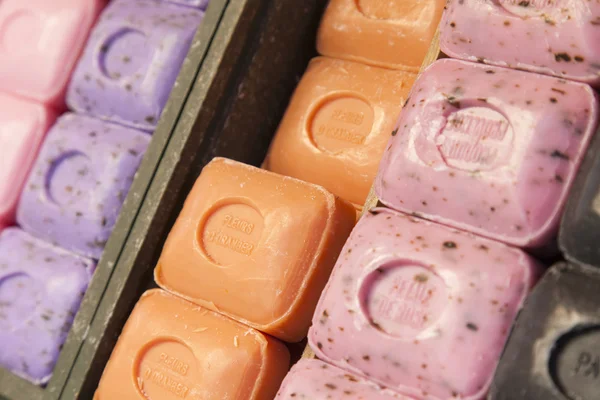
(316,380)
(556,37)
(23,125)
(40,42)
(420,308)
(489,150)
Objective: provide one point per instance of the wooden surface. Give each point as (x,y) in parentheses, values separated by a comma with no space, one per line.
(433,54)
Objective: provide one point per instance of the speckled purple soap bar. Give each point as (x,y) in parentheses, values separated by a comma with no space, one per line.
(131,61)
(41,287)
(79,182)
(202,4)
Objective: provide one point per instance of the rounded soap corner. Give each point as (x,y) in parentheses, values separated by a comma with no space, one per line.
(157,273)
(150,293)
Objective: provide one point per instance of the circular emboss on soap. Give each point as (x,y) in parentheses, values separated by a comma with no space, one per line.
(403,300)
(531,8)
(475,139)
(165,369)
(230,233)
(340,122)
(21,32)
(70,179)
(19,297)
(387,9)
(575,364)
(124,53)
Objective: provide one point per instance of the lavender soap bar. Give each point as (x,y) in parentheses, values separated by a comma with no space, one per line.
(202,4)
(131,61)
(41,287)
(79,182)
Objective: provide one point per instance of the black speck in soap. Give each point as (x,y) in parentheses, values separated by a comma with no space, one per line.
(559,154)
(450,245)
(472,326)
(562,57)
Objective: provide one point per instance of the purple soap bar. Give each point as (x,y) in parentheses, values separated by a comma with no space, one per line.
(202,4)
(79,182)
(131,61)
(41,287)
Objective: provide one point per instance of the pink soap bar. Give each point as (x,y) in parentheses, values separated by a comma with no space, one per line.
(315,380)
(489,150)
(40,42)
(23,125)
(556,37)
(420,308)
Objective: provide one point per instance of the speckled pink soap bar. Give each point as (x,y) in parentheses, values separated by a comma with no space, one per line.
(79,183)
(420,308)
(40,42)
(316,380)
(489,150)
(556,37)
(41,287)
(23,125)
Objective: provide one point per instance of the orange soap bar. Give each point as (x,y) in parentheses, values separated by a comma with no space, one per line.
(255,246)
(337,125)
(172,349)
(389,33)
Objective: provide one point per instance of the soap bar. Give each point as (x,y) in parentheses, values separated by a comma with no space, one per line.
(391,34)
(131,61)
(41,287)
(420,308)
(555,37)
(337,125)
(202,4)
(316,380)
(173,349)
(255,246)
(79,182)
(554,350)
(23,125)
(580,227)
(41,42)
(488,150)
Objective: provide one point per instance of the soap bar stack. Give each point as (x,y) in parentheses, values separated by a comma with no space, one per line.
(491,153)
(342,112)
(65,180)
(258,246)
(248,257)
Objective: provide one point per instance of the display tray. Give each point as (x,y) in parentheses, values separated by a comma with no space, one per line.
(238,89)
